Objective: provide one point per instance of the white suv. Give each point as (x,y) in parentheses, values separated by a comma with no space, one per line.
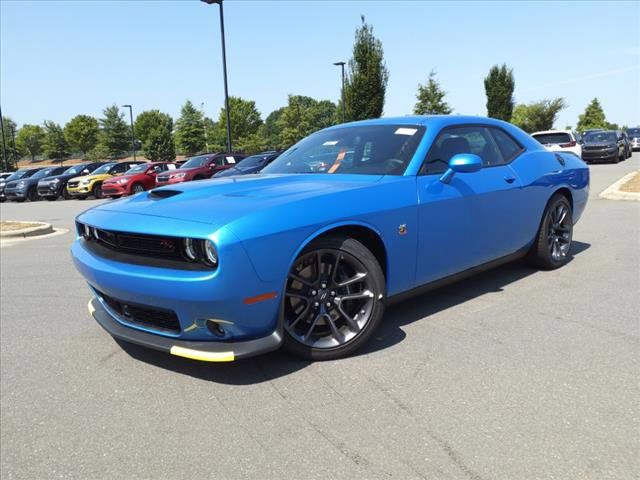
(559,140)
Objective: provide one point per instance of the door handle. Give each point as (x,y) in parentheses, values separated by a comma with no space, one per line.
(509,179)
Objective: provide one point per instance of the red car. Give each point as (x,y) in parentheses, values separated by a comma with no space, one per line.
(199,168)
(136,179)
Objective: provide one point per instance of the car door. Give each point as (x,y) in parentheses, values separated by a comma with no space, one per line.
(470,220)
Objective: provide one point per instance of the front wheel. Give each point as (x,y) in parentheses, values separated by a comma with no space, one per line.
(97,191)
(32,195)
(137,188)
(551,248)
(333,300)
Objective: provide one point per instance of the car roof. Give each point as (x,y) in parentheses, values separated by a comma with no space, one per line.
(431,121)
(551,131)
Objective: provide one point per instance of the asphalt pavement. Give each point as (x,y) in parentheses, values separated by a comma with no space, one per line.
(513,374)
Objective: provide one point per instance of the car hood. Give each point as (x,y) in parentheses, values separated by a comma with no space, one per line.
(115,179)
(59,177)
(221,201)
(600,145)
(180,170)
(101,176)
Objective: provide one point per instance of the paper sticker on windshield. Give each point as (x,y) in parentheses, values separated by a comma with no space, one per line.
(231,159)
(328,143)
(405,131)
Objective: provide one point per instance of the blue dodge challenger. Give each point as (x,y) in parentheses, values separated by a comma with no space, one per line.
(307,253)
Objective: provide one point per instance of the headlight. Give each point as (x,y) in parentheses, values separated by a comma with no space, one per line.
(123,180)
(55,180)
(203,251)
(85,182)
(178,175)
(190,249)
(21,184)
(210,254)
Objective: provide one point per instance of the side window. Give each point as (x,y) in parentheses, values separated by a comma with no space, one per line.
(507,145)
(468,139)
(158,168)
(120,168)
(218,162)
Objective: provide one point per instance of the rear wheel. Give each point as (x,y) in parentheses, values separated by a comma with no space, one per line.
(553,241)
(333,300)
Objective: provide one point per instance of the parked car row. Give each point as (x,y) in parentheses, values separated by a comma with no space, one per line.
(118,179)
(594,145)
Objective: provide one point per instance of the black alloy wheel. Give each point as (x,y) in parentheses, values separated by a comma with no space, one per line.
(333,299)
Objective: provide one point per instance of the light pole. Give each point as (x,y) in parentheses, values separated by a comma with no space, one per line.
(341,65)
(133,135)
(4,146)
(224,69)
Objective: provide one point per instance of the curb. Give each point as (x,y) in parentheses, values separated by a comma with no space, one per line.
(41,229)
(612,192)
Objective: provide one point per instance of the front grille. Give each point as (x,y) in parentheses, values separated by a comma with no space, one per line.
(73,184)
(138,244)
(144,315)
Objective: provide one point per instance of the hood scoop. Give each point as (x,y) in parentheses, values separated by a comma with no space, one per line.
(159,194)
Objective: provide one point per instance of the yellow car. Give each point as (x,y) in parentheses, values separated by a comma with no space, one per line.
(82,187)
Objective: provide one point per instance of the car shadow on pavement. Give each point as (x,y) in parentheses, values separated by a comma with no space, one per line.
(278,364)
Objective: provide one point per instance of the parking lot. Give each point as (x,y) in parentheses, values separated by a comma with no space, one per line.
(512,374)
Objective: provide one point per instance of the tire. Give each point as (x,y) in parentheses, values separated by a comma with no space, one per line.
(115,197)
(137,188)
(32,195)
(51,199)
(552,245)
(81,197)
(65,193)
(97,191)
(320,322)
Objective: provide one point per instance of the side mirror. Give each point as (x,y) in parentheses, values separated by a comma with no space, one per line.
(461,163)
(86,171)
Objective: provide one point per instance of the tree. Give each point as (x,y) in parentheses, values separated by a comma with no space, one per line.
(8,136)
(431,98)
(190,130)
(245,121)
(303,116)
(81,133)
(29,140)
(537,116)
(270,130)
(367,76)
(593,117)
(148,121)
(159,146)
(499,86)
(115,135)
(55,146)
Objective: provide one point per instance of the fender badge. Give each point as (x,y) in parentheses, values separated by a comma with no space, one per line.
(402,229)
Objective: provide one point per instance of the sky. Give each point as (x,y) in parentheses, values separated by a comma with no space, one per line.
(62,58)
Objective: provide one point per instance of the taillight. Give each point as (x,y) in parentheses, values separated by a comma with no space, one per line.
(567,145)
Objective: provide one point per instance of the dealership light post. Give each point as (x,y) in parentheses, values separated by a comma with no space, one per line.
(341,65)
(224,70)
(133,135)
(4,147)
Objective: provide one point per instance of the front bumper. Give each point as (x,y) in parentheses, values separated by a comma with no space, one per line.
(599,156)
(50,190)
(109,189)
(80,190)
(204,351)
(15,193)
(171,181)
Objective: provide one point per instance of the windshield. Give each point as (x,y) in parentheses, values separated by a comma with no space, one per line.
(254,161)
(104,168)
(195,162)
(633,132)
(600,137)
(553,138)
(137,169)
(17,175)
(73,170)
(364,150)
(45,172)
